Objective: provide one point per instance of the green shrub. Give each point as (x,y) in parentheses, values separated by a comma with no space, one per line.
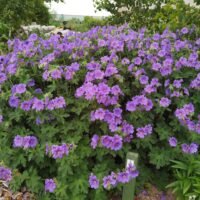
(123,90)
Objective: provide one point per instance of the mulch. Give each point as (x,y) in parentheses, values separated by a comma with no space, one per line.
(6,194)
(151,193)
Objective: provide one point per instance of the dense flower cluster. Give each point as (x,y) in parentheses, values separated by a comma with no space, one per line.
(25,142)
(124,86)
(139,102)
(196,82)
(116,142)
(185,114)
(63,71)
(113,143)
(101,92)
(190,148)
(58,151)
(114,178)
(37,104)
(144,131)
(113,119)
(5,174)
(186,148)
(110,142)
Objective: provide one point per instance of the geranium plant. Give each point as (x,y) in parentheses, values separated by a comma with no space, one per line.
(71,108)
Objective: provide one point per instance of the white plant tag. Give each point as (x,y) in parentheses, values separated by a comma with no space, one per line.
(129,162)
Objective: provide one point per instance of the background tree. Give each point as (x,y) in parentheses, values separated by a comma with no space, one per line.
(124,10)
(14,13)
(176,14)
(156,15)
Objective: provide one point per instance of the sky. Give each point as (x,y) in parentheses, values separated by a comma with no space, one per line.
(76,7)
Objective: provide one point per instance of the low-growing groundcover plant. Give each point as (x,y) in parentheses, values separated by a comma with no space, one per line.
(72,107)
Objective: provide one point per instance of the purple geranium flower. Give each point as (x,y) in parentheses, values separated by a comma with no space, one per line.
(193,148)
(177,83)
(20,88)
(56,74)
(132,171)
(30,142)
(99,114)
(106,141)
(142,132)
(5,174)
(184,30)
(50,185)
(58,151)
(1,118)
(94,182)
(31,83)
(109,181)
(144,80)
(137,61)
(38,104)
(131,106)
(116,143)
(18,141)
(123,177)
(3,78)
(38,91)
(94,141)
(14,102)
(164,102)
(26,105)
(59,102)
(185,148)
(172,141)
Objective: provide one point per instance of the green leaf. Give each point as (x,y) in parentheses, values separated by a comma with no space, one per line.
(186,186)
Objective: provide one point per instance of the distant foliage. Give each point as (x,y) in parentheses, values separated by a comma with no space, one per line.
(14,13)
(72,107)
(85,24)
(123,10)
(175,15)
(156,15)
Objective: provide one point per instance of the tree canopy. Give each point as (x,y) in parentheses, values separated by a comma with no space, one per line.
(153,14)
(124,9)
(18,12)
